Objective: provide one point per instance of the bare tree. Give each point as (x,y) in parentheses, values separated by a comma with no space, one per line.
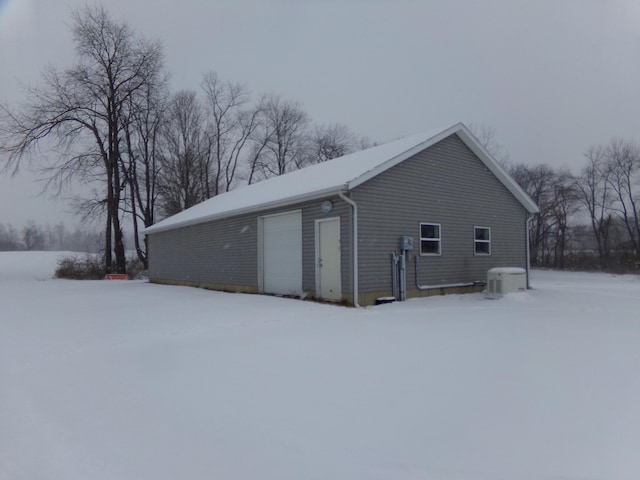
(332,141)
(184,173)
(563,208)
(486,135)
(142,166)
(33,236)
(232,121)
(624,178)
(56,235)
(9,238)
(283,132)
(538,182)
(258,141)
(595,195)
(84,109)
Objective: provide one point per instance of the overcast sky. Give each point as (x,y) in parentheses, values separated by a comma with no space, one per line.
(551,76)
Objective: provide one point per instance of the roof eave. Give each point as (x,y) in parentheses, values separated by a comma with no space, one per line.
(507,180)
(249,209)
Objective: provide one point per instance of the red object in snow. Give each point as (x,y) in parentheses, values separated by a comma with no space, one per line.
(116,276)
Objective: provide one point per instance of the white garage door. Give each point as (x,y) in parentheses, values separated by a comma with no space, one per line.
(282,253)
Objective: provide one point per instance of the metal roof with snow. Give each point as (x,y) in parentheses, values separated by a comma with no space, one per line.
(333,176)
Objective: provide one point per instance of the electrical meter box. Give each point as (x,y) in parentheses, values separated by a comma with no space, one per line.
(406,243)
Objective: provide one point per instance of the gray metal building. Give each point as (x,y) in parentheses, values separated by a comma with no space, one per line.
(437,204)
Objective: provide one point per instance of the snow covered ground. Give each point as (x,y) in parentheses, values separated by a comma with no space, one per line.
(133,381)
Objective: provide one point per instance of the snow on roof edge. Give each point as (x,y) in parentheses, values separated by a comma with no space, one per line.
(240,211)
(297,185)
(357,168)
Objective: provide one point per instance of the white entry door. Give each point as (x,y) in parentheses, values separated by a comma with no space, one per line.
(328,280)
(282,253)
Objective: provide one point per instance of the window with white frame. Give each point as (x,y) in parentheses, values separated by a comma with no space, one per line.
(482,240)
(430,239)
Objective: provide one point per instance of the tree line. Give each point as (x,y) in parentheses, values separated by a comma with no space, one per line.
(111,122)
(589,220)
(49,237)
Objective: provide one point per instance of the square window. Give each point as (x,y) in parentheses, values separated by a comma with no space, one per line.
(482,240)
(430,239)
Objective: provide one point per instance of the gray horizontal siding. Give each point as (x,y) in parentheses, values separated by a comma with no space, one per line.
(225,252)
(222,252)
(449,185)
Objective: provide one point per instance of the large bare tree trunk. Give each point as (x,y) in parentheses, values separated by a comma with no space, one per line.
(84,110)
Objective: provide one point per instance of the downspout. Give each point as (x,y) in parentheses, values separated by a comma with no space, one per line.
(527,227)
(354,253)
